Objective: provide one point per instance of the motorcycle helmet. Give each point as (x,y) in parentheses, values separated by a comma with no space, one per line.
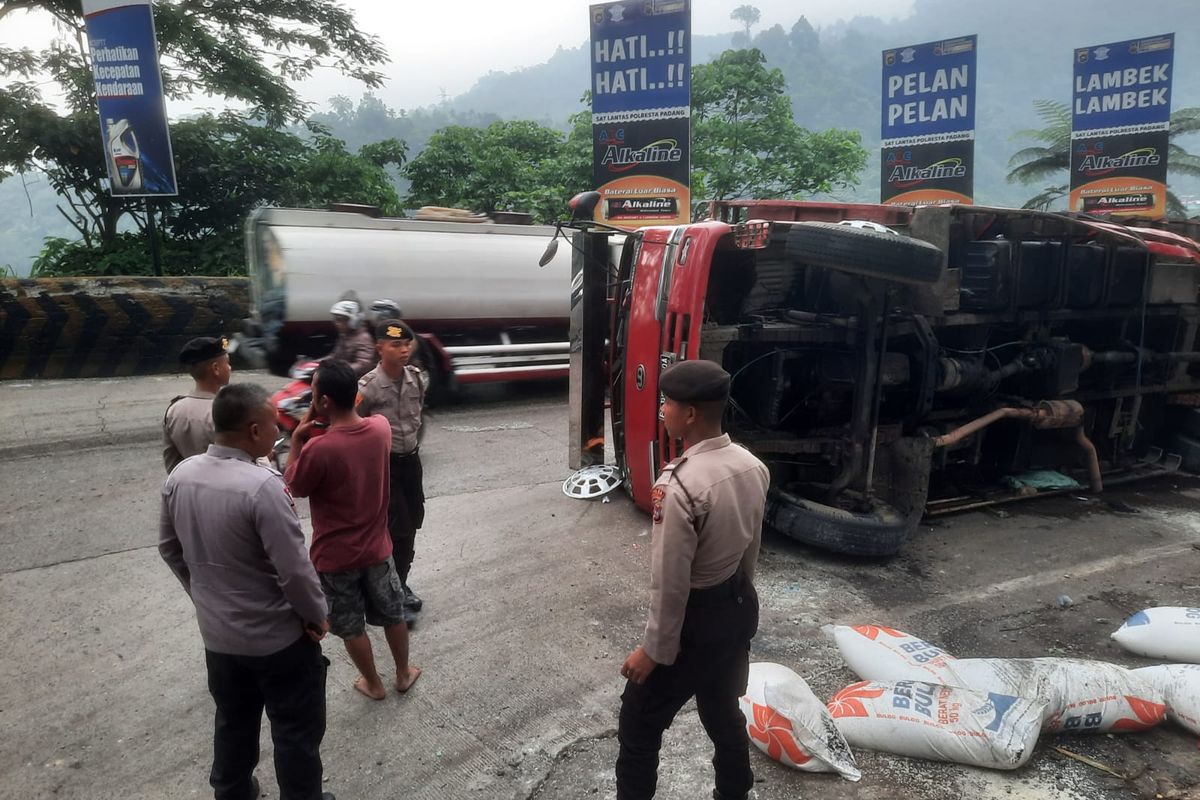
(348,309)
(383,309)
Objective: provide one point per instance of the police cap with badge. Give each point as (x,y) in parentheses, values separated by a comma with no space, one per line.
(394,329)
(201,349)
(698,381)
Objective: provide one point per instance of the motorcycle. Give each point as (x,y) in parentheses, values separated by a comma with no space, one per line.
(291,404)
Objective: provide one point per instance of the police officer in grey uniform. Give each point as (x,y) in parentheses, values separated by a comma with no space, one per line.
(229,531)
(396,390)
(188,423)
(707,507)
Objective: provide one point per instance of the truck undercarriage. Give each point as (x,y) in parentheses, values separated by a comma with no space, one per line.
(885,373)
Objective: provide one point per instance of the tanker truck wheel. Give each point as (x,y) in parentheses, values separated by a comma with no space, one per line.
(865,252)
(437,390)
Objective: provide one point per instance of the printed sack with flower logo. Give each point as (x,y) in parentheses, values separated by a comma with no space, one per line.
(1082,696)
(787,722)
(877,653)
(1180,687)
(1167,632)
(939,723)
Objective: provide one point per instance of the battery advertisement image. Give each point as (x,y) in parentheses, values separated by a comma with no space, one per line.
(641,111)
(1120,121)
(928,123)
(133,119)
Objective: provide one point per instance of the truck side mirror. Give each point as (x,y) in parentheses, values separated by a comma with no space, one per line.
(551,249)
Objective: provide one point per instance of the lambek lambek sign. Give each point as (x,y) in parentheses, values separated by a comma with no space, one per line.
(928,123)
(133,119)
(1120,123)
(641,111)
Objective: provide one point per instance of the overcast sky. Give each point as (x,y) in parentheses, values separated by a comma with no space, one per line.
(439,46)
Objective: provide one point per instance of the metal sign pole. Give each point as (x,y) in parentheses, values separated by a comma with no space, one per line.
(152,230)
(589,331)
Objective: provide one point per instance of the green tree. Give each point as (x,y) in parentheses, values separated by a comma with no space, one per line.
(1050,160)
(228,165)
(488,170)
(747,15)
(251,51)
(745,142)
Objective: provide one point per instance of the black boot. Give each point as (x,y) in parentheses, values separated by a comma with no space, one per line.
(718,796)
(411,601)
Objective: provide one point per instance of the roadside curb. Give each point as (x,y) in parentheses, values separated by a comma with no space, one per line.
(84,442)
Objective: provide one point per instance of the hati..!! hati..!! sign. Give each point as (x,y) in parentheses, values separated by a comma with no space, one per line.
(133,120)
(641,111)
(1120,123)
(928,124)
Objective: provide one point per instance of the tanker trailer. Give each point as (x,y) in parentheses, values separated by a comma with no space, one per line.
(474,292)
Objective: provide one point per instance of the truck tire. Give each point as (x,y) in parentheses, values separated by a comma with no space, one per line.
(438,390)
(879,534)
(860,251)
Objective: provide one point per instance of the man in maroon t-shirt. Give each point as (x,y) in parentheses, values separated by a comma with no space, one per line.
(344,473)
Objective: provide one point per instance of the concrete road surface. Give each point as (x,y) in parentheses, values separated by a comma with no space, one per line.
(532,602)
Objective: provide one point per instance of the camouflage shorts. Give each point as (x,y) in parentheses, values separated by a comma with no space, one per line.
(371,595)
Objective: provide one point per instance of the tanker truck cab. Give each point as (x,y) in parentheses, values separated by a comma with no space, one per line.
(891,362)
(474,292)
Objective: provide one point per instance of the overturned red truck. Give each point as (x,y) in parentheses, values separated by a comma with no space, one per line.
(890,362)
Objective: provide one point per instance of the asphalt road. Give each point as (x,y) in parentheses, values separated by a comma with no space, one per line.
(532,602)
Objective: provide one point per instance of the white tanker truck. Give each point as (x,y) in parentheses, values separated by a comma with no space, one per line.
(474,291)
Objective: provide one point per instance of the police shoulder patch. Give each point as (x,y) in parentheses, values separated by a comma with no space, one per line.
(656,497)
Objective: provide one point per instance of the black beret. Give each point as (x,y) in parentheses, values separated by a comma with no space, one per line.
(698,381)
(393,329)
(202,349)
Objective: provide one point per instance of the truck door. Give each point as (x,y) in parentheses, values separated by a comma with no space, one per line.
(659,309)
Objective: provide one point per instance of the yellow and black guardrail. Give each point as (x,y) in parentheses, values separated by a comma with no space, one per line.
(105,327)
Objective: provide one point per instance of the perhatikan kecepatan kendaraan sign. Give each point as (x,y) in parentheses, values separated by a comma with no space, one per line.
(641,111)
(133,118)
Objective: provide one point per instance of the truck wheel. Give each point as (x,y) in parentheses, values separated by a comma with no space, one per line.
(860,251)
(437,392)
(881,533)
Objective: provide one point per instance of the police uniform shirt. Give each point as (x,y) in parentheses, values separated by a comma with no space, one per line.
(187,428)
(229,531)
(397,400)
(707,507)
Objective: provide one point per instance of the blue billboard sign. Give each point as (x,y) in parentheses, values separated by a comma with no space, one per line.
(133,118)
(641,111)
(1123,85)
(929,89)
(641,60)
(1120,126)
(928,122)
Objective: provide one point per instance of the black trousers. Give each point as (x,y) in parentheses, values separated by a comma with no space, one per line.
(406,509)
(713,665)
(290,684)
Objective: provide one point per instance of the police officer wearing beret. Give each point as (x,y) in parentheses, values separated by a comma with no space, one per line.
(188,423)
(707,507)
(396,390)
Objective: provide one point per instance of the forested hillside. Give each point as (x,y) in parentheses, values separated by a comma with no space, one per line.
(832,76)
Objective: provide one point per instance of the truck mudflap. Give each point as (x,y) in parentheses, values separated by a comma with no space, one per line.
(881,531)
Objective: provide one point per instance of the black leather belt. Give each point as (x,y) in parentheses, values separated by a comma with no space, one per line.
(402,456)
